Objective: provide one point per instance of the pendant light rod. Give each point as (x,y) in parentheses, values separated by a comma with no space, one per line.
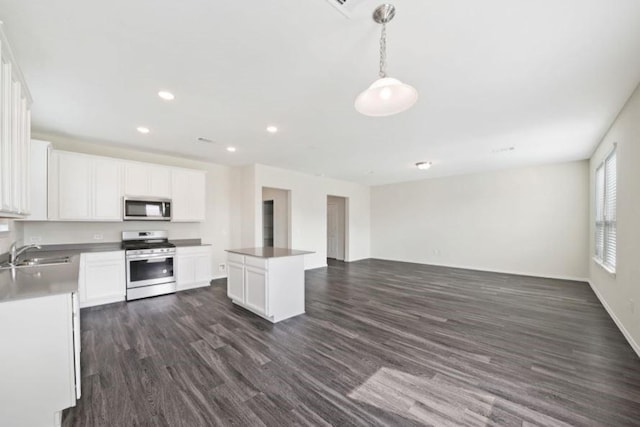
(382,15)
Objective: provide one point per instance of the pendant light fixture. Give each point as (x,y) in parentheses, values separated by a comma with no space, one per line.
(386,96)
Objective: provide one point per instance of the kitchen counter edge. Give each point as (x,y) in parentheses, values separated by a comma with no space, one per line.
(269,252)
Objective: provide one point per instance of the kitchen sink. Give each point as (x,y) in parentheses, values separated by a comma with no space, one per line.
(38,262)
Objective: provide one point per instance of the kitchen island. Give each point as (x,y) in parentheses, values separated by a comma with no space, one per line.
(267,281)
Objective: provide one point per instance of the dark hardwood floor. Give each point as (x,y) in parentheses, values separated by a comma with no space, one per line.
(382,343)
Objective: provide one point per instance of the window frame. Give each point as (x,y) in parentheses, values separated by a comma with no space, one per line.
(600,252)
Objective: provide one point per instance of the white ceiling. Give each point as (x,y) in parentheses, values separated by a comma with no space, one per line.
(546,77)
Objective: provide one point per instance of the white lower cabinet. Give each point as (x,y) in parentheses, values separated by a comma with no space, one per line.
(102,278)
(39,361)
(272,288)
(193,267)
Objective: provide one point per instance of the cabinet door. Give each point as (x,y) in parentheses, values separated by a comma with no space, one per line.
(16,148)
(188,195)
(185,271)
(102,278)
(202,267)
(256,289)
(136,180)
(37,364)
(235,281)
(39,166)
(107,191)
(159,181)
(5,141)
(74,186)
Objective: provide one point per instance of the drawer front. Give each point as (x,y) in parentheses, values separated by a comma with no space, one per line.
(235,258)
(256,262)
(193,250)
(103,256)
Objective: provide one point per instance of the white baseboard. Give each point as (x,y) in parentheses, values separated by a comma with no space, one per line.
(492,270)
(102,301)
(313,267)
(627,335)
(194,285)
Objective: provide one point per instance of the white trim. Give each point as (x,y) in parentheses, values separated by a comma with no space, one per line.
(313,267)
(194,285)
(493,270)
(627,335)
(601,264)
(102,301)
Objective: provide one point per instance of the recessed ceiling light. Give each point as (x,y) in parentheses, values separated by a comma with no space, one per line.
(167,96)
(143,129)
(272,129)
(231,149)
(423,165)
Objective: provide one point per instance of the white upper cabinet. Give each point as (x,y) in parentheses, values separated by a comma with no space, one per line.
(84,187)
(147,180)
(107,189)
(15,134)
(38,171)
(188,188)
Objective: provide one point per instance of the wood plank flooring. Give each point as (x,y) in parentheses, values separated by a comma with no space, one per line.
(382,343)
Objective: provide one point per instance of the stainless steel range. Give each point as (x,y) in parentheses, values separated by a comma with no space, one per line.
(150,261)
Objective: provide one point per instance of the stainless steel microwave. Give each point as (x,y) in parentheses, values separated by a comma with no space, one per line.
(146,209)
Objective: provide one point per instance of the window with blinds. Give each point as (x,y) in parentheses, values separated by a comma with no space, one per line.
(606,224)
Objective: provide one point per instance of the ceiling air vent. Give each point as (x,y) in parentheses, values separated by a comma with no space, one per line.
(345,6)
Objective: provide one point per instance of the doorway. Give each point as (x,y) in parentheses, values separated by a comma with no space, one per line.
(276,223)
(267,223)
(336,227)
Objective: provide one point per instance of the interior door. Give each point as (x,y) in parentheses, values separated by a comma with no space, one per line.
(332,230)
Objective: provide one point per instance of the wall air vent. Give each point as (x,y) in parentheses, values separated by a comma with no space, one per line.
(344,6)
(207,140)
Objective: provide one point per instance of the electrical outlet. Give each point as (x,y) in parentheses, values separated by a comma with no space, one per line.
(222,267)
(36,239)
(98,237)
(632,306)
(436,251)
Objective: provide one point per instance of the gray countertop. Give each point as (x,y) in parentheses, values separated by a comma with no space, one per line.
(268,252)
(33,282)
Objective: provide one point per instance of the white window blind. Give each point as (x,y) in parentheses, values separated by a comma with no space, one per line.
(606,219)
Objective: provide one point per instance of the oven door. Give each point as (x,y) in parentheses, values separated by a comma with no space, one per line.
(145,270)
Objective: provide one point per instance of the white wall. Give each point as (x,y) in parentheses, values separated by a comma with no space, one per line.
(530,221)
(280,215)
(620,293)
(7,238)
(215,230)
(308,199)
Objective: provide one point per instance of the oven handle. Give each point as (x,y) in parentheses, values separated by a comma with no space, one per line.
(151,258)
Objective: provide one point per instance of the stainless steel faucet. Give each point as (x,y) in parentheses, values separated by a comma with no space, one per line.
(15,252)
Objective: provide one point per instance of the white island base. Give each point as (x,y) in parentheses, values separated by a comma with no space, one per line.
(267,281)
